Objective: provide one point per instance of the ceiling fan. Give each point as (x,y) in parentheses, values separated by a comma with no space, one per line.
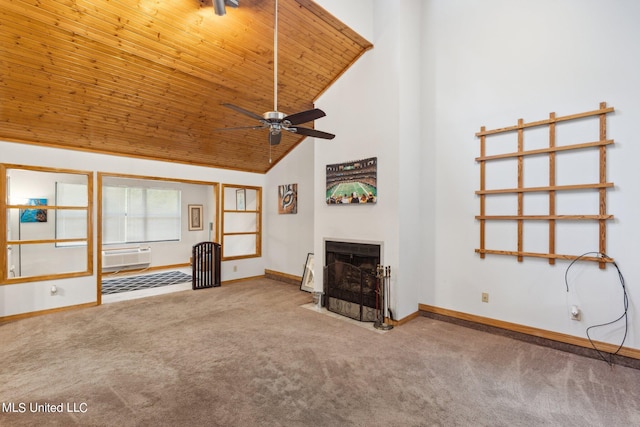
(275,120)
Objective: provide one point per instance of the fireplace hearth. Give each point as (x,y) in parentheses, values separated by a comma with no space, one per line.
(350,280)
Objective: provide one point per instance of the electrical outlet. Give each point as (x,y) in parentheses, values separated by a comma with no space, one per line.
(576,314)
(485,297)
(235,268)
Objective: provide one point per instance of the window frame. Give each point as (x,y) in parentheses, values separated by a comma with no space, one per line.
(105,175)
(6,243)
(227,212)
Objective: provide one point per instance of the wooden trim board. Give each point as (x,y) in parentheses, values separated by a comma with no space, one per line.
(26,315)
(283,277)
(530,331)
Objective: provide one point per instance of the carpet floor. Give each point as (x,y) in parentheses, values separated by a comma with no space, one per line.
(250,354)
(147,281)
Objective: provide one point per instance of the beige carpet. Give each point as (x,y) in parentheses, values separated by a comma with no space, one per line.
(250,354)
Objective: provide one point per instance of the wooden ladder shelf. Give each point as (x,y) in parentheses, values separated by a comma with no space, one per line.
(552,189)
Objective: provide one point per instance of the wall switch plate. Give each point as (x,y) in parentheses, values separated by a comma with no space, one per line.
(485,297)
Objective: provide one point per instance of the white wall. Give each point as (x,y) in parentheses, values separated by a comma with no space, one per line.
(490,63)
(35,296)
(486,63)
(289,237)
(416,164)
(374,111)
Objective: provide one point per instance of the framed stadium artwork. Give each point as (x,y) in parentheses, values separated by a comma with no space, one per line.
(288,199)
(352,182)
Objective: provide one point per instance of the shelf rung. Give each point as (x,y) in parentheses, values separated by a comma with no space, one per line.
(546,150)
(45,241)
(541,255)
(547,121)
(549,188)
(545,217)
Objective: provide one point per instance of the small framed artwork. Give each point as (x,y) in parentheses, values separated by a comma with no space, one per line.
(195,217)
(288,199)
(36,214)
(307,276)
(240,200)
(354,182)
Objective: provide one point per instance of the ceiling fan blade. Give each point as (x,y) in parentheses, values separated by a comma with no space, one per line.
(243,111)
(242,128)
(274,138)
(312,132)
(305,116)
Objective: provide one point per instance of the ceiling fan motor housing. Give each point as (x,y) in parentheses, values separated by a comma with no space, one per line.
(273,116)
(275,121)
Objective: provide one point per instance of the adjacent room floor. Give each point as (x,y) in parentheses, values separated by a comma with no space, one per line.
(123,296)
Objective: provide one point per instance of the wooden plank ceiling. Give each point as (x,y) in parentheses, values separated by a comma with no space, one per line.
(146,78)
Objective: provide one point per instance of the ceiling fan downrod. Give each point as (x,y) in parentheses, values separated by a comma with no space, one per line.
(275,59)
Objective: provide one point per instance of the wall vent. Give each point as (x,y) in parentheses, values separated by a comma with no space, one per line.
(125,258)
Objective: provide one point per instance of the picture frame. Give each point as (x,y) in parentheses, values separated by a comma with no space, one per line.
(241,200)
(35,214)
(353,182)
(288,199)
(195,217)
(307,283)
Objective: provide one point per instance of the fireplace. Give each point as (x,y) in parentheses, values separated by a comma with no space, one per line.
(350,279)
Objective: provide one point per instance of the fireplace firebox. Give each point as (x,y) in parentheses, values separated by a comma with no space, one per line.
(350,282)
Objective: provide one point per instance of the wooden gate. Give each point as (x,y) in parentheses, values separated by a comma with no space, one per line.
(205,263)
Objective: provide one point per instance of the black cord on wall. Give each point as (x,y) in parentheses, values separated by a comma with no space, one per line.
(624,314)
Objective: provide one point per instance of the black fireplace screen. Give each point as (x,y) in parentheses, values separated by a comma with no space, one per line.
(350,283)
(352,291)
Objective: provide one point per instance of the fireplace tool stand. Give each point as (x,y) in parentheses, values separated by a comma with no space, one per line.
(383,286)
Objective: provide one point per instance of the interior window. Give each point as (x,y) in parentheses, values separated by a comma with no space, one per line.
(241,222)
(48,217)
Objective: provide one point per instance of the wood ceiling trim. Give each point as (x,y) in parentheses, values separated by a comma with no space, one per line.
(335,23)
